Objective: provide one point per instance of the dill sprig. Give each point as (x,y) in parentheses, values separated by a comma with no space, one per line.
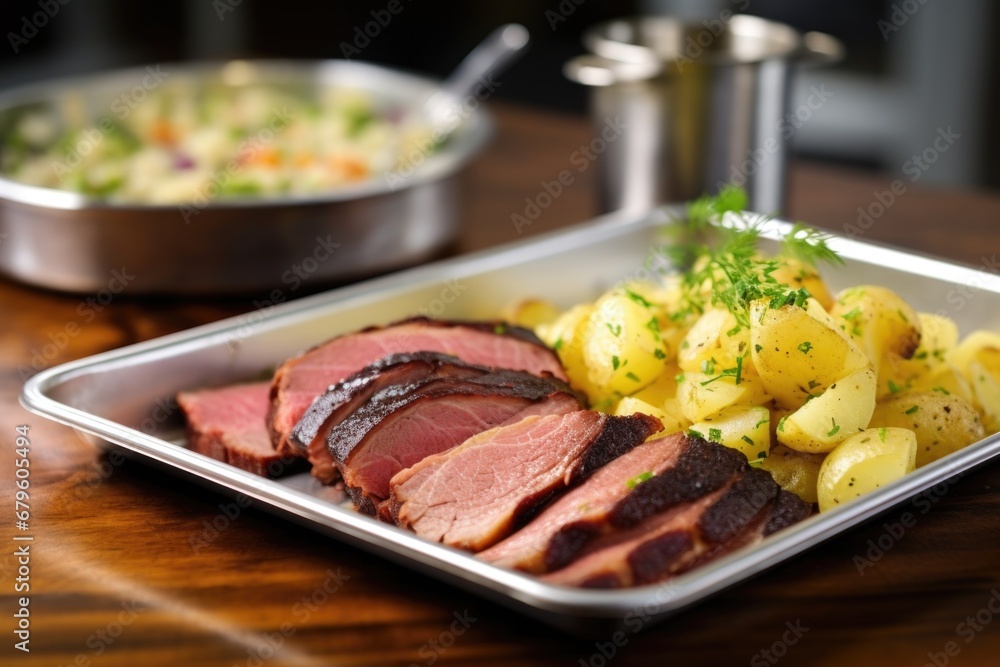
(809,246)
(731,273)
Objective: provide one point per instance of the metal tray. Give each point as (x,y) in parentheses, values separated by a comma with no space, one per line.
(124,398)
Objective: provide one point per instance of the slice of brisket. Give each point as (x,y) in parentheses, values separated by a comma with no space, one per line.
(300,380)
(228,424)
(474,495)
(403,424)
(671,542)
(343,398)
(684,469)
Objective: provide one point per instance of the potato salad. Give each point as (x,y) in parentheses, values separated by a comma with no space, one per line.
(834,394)
(185,143)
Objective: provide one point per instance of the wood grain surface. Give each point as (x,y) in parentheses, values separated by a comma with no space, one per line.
(116,578)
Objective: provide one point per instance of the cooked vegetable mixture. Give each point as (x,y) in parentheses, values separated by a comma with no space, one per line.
(834,394)
(184,143)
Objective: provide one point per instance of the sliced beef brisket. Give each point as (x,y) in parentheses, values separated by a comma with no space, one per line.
(298,382)
(474,495)
(403,424)
(228,424)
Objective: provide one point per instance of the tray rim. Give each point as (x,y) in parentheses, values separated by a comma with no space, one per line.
(654,601)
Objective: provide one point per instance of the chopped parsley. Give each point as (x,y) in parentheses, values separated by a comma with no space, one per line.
(912,410)
(736,373)
(616,330)
(747,439)
(715,435)
(639,479)
(659,354)
(881,434)
(942,390)
(835,429)
(632,376)
(615,363)
(638,298)
(732,270)
(805,347)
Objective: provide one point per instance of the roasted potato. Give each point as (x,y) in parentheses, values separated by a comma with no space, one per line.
(631,405)
(623,349)
(796,274)
(566,335)
(879,321)
(530,313)
(978,357)
(743,429)
(863,463)
(702,395)
(794,471)
(797,353)
(942,424)
(838,413)
(938,340)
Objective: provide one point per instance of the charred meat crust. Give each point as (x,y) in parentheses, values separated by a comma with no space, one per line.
(744,501)
(702,468)
(312,422)
(658,556)
(788,509)
(609,437)
(276,409)
(502,383)
(618,437)
(567,544)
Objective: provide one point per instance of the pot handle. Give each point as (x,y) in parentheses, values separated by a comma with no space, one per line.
(593,70)
(819,48)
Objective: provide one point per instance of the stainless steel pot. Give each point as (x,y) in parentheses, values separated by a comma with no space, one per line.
(697,105)
(67,241)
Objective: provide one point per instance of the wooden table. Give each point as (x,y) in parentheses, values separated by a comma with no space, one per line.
(115,581)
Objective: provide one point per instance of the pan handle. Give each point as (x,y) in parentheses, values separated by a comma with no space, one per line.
(593,70)
(819,48)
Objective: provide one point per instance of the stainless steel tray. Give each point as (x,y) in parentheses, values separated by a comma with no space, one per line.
(122,397)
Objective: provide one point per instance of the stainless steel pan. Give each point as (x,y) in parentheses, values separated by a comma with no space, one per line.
(68,241)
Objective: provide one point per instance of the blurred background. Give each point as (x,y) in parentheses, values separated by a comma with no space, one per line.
(893,91)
